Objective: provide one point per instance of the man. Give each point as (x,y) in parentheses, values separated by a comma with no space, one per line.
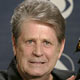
(38,37)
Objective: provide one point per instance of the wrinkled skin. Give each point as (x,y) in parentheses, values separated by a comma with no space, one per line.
(37,51)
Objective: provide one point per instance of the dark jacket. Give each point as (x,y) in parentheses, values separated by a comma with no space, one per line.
(12,74)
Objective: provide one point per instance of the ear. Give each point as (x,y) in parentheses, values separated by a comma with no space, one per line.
(14,45)
(61,48)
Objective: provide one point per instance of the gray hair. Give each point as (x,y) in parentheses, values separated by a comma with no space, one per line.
(40,10)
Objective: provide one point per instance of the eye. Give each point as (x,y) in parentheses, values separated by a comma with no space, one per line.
(47,43)
(29,42)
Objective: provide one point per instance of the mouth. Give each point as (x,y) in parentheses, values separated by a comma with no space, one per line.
(37,62)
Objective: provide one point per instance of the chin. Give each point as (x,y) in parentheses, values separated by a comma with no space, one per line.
(36,73)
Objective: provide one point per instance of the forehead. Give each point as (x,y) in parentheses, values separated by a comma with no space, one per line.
(37,29)
(31,24)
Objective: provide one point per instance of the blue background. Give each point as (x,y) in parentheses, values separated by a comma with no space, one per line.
(72,33)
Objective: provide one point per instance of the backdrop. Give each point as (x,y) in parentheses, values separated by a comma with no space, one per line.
(70,9)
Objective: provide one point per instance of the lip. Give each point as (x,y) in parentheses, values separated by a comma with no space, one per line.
(37,62)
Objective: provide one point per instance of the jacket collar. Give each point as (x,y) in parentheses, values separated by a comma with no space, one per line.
(12,71)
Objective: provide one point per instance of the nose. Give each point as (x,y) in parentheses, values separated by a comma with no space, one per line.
(38,50)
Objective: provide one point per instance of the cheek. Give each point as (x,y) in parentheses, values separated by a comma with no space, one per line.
(52,54)
(22,56)
(24,51)
(27,51)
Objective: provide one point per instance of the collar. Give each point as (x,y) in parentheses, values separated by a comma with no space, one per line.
(12,71)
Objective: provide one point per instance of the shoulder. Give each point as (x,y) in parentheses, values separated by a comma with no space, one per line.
(3,75)
(62,74)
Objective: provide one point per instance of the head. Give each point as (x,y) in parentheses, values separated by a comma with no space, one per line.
(38,36)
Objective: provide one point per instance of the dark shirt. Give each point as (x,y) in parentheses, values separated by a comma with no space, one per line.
(12,74)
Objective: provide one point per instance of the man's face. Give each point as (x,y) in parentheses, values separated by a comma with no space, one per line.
(37,49)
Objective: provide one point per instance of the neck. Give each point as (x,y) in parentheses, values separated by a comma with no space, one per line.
(47,77)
